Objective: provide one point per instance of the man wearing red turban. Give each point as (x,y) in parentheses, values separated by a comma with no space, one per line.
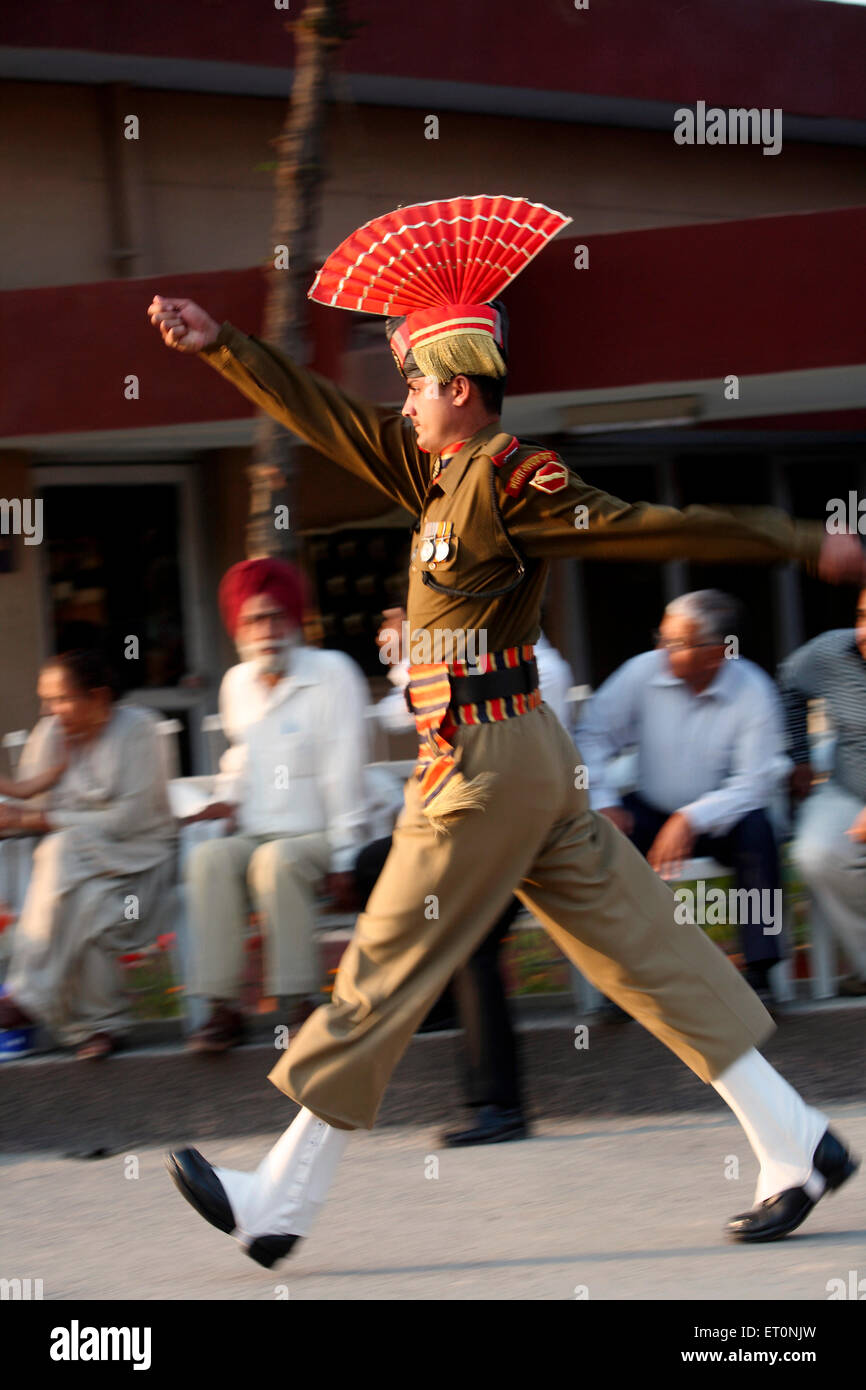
(280,581)
(290,791)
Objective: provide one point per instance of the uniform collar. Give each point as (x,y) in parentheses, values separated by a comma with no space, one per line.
(449,478)
(451,449)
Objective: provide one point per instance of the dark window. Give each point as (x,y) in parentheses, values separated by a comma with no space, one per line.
(113,567)
(357,574)
(739,479)
(813,481)
(623,602)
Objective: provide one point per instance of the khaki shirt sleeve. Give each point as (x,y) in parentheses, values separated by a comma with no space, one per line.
(583,522)
(371,441)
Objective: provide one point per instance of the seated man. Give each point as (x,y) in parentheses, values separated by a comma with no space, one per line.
(292,787)
(830,847)
(710,751)
(104,864)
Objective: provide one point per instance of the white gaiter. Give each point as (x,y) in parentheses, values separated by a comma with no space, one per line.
(782,1129)
(288,1189)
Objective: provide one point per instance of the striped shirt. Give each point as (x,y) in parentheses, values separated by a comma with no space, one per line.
(829,667)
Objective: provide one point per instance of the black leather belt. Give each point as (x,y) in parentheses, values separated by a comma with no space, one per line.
(494,685)
(488,685)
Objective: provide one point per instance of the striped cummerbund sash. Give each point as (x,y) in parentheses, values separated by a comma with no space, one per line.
(500,685)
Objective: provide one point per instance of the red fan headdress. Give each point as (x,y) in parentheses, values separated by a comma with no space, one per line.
(437,266)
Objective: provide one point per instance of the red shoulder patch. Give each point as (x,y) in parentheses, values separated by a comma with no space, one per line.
(525,470)
(552,477)
(505,454)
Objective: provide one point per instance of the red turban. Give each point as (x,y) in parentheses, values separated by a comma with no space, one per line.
(281,581)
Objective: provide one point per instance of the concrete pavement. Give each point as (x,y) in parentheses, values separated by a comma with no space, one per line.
(619,1207)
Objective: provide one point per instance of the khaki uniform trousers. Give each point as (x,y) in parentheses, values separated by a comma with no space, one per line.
(434,901)
(279,877)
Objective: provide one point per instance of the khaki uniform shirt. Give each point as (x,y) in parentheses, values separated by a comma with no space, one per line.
(547,510)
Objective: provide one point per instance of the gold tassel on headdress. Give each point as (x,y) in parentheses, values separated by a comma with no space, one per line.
(467,353)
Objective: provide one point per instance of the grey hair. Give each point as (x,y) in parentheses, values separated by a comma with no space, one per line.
(717,615)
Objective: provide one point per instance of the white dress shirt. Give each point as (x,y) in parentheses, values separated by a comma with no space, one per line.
(715,756)
(392,712)
(555,678)
(298,749)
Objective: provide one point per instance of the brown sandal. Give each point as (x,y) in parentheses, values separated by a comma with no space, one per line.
(223,1030)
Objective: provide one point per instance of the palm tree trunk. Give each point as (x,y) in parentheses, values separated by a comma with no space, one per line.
(299,172)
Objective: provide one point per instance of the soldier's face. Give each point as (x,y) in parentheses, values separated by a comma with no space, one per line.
(434,411)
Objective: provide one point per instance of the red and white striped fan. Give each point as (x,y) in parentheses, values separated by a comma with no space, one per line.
(460,251)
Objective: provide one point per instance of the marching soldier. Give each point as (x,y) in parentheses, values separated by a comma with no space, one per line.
(494,806)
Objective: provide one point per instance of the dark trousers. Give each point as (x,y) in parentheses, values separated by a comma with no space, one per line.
(490,1071)
(749,848)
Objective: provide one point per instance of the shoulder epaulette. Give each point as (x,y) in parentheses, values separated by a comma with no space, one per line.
(543,470)
(505,453)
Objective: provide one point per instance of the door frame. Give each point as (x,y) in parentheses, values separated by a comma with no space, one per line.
(198,616)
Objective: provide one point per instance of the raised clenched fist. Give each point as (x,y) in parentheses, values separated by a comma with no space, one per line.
(183,323)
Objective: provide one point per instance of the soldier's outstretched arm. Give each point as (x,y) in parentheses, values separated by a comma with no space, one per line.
(371,441)
(550,511)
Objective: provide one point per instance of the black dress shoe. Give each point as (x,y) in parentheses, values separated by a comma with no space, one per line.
(196,1180)
(779,1215)
(266,1250)
(494,1126)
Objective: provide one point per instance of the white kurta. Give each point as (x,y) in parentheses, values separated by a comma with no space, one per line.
(295,770)
(298,749)
(99,880)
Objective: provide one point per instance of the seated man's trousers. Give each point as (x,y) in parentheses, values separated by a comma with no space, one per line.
(749,848)
(833,865)
(75,923)
(278,877)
